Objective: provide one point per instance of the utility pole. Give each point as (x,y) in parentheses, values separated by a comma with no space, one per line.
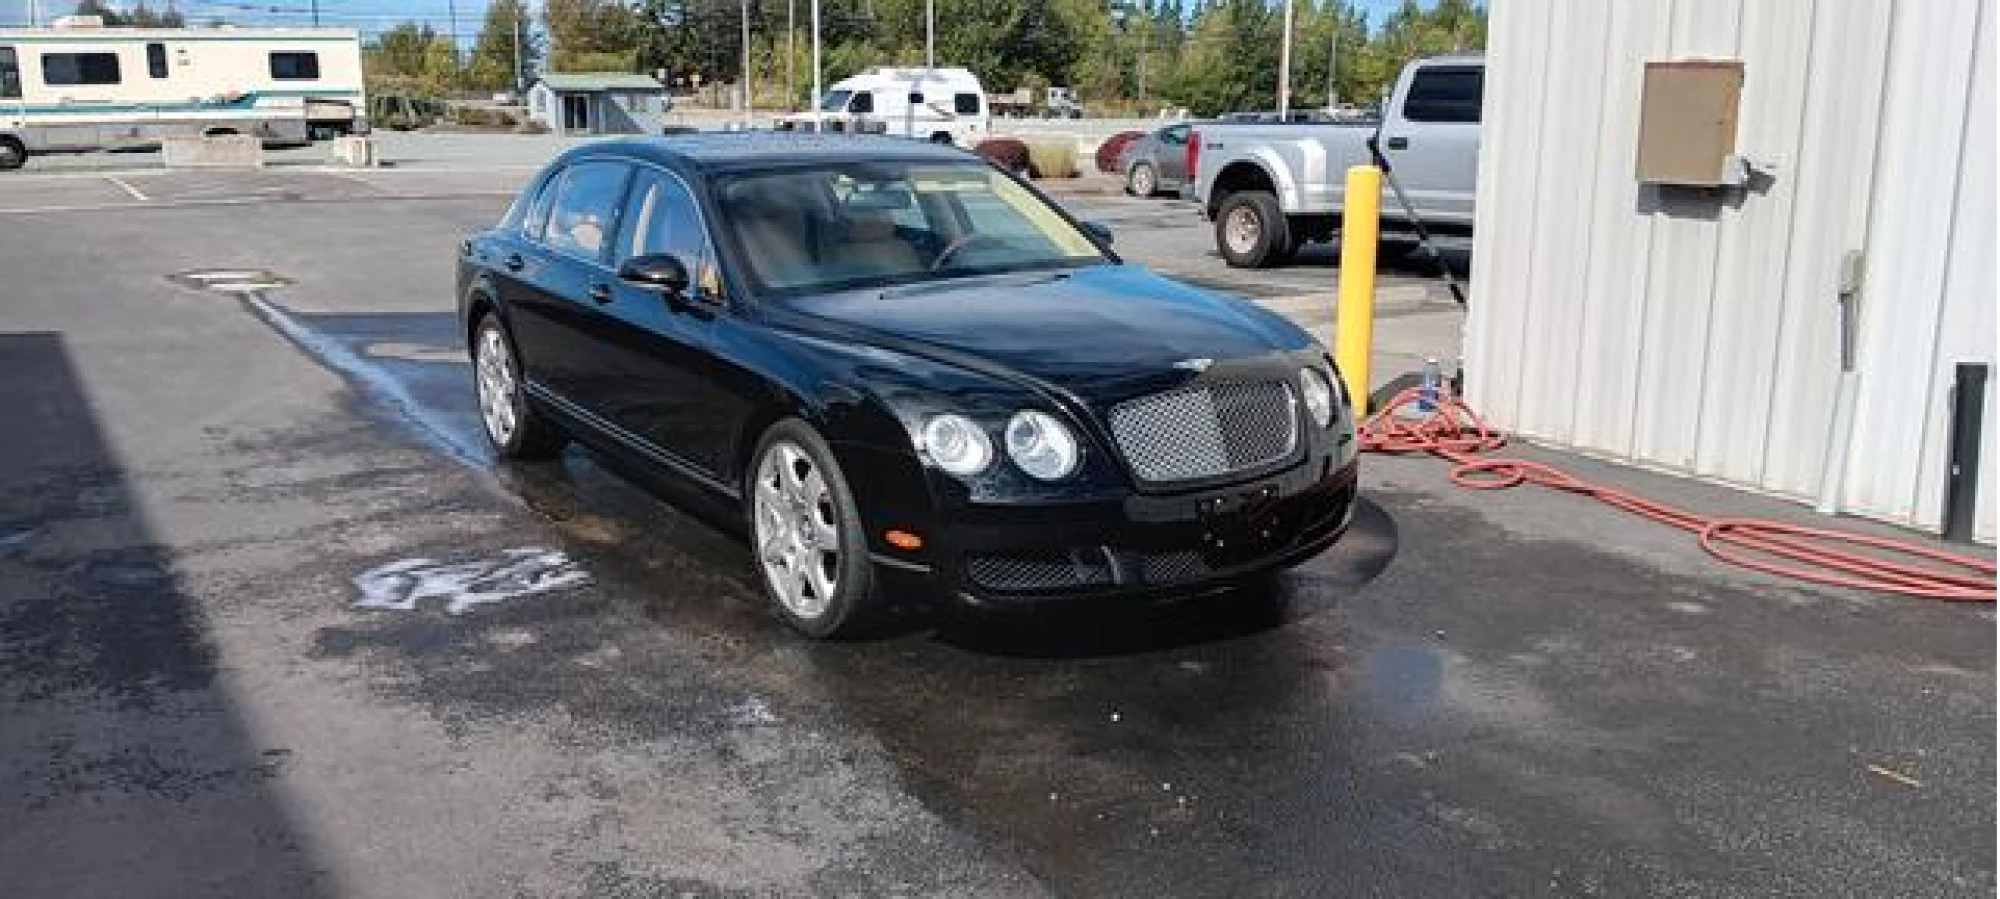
(930,34)
(451,15)
(520,12)
(315,6)
(791,32)
(1285,68)
(1145,40)
(1332,60)
(817,121)
(746,65)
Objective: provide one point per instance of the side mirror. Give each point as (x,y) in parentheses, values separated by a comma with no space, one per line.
(659,271)
(1099,230)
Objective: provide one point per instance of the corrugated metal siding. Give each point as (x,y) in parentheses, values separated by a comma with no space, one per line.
(1695,331)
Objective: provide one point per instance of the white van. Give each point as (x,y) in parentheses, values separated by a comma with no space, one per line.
(81,86)
(945,106)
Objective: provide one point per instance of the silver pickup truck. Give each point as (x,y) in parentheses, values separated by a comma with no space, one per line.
(1271,187)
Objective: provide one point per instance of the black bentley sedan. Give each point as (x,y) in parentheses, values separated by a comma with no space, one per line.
(905,369)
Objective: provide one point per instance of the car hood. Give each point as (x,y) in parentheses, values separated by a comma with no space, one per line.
(1100,334)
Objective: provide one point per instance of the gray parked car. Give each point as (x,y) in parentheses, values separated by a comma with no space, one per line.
(1156,162)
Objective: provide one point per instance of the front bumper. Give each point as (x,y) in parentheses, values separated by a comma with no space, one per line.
(1143,545)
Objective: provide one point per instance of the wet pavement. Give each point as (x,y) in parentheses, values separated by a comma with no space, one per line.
(1469,696)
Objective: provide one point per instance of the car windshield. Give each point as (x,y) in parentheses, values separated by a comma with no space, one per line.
(881,223)
(834,101)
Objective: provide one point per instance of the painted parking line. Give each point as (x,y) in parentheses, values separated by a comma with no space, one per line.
(127,187)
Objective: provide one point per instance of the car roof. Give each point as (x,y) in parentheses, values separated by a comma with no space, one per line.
(729,151)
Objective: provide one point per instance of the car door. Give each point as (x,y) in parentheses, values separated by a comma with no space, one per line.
(1432,140)
(654,370)
(1170,155)
(563,276)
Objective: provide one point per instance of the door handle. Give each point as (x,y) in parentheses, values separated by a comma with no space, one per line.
(1399,143)
(601,293)
(514,262)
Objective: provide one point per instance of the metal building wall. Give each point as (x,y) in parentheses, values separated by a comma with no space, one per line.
(1699,332)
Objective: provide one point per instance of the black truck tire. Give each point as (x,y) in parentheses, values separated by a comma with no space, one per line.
(1251,231)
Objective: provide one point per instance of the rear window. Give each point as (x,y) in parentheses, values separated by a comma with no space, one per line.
(80,68)
(294,66)
(585,212)
(1445,94)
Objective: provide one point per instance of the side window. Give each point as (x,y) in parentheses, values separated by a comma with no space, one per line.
(538,211)
(1175,137)
(584,215)
(295,66)
(156,60)
(1445,94)
(965,104)
(916,98)
(10,74)
(864,101)
(79,68)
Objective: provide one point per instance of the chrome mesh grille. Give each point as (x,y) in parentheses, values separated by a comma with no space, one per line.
(1027,572)
(1206,431)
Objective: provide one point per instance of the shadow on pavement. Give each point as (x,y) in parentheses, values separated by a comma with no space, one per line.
(125,769)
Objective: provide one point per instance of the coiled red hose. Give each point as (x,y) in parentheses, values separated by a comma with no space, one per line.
(1455,433)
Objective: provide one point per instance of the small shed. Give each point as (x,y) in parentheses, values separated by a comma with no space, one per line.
(598,103)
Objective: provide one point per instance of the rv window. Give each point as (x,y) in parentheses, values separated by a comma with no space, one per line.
(10,74)
(864,101)
(916,98)
(295,66)
(965,104)
(156,60)
(79,68)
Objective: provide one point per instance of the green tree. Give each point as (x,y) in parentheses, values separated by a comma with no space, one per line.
(591,35)
(491,65)
(140,16)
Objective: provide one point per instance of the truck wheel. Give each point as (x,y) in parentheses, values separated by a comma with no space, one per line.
(1251,230)
(13,154)
(942,137)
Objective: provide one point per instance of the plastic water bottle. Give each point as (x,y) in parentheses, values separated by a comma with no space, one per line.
(1429,393)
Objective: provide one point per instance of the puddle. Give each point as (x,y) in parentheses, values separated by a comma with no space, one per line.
(515,573)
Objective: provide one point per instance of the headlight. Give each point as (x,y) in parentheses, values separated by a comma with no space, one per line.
(1318,393)
(957,445)
(1041,445)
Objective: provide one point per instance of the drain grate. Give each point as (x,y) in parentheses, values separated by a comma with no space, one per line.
(230,280)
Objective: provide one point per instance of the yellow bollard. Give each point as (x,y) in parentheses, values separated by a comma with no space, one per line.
(1354,319)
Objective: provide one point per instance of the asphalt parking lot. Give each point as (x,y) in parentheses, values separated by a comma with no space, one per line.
(1504,695)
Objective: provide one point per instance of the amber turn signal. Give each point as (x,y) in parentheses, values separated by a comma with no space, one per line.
(903,539)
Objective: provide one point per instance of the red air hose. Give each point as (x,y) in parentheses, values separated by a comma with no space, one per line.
(1455,433)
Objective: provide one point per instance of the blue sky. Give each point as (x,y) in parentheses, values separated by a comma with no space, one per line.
(368,15)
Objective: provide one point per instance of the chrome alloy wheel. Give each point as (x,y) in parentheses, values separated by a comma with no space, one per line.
(1143,183)
(1243,229)
(797,534)
(495,375)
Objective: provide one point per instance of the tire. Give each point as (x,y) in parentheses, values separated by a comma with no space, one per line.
(943,138)
(1251,231)
(792,518)
(1142,181)
(511,424)
(13,153)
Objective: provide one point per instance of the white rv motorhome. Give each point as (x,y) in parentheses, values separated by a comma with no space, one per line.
(944,106)
(79,86)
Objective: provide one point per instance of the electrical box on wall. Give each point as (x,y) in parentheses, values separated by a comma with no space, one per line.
(1687,123)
